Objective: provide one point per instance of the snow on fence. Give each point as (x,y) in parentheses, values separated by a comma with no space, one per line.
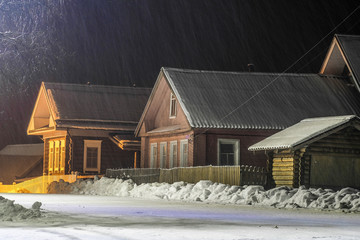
(232,175)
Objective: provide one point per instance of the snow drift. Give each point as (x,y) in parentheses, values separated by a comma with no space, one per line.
(15,212)
(347,199)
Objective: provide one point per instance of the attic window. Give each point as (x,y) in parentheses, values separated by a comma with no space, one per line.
(172,106)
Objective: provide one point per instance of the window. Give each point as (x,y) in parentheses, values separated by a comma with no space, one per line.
(51,157)
(173,154)
(153,155)
(57,156)
(92,155)
(62,157)
(184,149)
(163,155)
(172,106)
(228,152)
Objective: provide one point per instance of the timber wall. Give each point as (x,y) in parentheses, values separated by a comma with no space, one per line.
(111,155)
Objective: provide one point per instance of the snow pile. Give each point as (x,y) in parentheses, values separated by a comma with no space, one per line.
(14,212)
(206,191)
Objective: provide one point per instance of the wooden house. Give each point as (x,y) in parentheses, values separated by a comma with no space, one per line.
(87,128)
(343,58)
(195,118)
(316,152)
(20,162)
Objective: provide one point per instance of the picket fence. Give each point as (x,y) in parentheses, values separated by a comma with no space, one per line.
(232,175)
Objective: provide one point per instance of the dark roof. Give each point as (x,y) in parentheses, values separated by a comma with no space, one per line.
(36,149)
(248,100)
(102,106)
(305,132)
(350,46)
(20,161)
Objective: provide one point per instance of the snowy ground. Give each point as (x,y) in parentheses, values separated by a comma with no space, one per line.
(69,216)
(347,199)
(117,209)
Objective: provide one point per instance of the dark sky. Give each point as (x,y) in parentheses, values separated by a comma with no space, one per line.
(124,42)
(116,42)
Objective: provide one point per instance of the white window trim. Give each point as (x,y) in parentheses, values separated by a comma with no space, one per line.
(163,160)
(236,152)
(175,110)
(152,160)
(182,163)
(171,157)
(96,144)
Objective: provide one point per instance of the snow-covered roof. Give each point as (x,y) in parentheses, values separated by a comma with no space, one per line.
(305,132)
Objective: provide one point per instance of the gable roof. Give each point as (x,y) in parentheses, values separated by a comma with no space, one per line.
(344,50)
(231,100)
(93,106)
(305,132)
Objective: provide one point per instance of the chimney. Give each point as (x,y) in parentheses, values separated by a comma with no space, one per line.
(251,67)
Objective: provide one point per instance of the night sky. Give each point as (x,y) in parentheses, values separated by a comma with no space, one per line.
(127,42)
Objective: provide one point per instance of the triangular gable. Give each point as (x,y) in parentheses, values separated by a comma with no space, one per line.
(155,115)
(42,118)
(343,58)
(306,132)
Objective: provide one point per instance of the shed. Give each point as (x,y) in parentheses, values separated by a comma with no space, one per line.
(20,161)
(316,152)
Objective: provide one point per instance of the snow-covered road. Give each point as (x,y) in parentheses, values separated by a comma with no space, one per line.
(108,217)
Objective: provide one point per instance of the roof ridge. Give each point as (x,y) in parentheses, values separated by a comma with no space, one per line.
(237,73)
(95,85)
(347,35)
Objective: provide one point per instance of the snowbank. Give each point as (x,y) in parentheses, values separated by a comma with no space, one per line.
(347,199)
(14,212)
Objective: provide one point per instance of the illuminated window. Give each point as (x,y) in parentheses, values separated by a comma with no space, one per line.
(184,152)
(163,154)
(172,106)
(56,156)
(92,155)
(173,154)
(51,157)
(62,157)
(153,155)
(228,152)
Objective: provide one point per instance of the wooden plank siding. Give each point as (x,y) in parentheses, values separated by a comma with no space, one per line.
(111,155)
(232,175)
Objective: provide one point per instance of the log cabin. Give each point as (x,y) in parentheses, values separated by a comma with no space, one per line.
(195,118)
(316,152)
(87,128)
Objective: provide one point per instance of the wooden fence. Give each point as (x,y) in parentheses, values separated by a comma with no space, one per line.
(232,175)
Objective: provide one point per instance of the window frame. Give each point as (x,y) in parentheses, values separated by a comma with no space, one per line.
(173,106)
(92,144)
(163,154)
(236,143)
(153,158)
(184,159)
(172,161)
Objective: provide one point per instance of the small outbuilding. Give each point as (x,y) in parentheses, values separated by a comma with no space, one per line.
(316,152)
(20,162)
